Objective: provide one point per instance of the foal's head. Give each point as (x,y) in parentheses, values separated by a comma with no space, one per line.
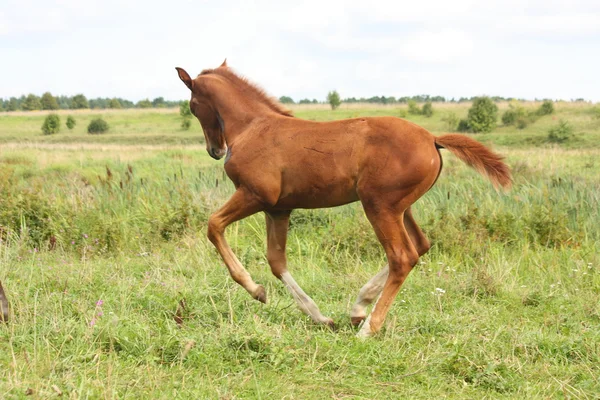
(202,107)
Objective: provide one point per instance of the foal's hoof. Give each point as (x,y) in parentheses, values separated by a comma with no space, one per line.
(329,323)
(356,321)
(260,294)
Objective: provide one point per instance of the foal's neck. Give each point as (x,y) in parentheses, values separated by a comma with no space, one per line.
(238,112)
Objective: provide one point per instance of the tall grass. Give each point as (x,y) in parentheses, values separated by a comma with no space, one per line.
(115,291)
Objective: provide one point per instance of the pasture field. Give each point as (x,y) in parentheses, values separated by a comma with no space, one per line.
(117,293)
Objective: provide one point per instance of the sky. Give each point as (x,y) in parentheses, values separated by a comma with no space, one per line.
(303,48)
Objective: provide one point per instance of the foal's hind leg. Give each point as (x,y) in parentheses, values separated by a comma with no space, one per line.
(239,206)
(401,254)
(277,227)
(369,292)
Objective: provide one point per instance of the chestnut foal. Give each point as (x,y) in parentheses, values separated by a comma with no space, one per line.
(278,163)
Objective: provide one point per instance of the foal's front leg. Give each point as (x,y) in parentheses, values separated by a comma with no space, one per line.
(277,228)
(241,205)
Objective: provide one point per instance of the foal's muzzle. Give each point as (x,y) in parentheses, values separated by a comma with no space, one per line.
(217,154)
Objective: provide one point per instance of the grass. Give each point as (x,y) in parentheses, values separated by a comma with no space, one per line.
(97,261)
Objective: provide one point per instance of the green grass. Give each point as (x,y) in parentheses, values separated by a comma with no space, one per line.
(95,264)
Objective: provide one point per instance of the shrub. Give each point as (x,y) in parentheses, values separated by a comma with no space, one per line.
(427,109)
(463,126)
(333,98)
(184,109)
(451,121)
(185,124)
(546,108)
(482,115)
(560,133)
(97,126)
(51,124)
(413,108)
(71,122)
(521,123)
(514,113)
(402,113)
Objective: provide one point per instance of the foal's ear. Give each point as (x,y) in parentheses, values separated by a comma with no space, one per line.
(224,65)
(184,77)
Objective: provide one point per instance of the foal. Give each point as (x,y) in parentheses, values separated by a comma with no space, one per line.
(278,163)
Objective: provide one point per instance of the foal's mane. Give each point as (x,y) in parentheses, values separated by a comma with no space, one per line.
(250,89)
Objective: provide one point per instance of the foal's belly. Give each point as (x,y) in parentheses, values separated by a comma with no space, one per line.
(316,191)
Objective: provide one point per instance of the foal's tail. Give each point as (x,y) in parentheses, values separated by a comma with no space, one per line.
(477,156)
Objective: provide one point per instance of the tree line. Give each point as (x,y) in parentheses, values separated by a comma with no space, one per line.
(421,98)
(47,101)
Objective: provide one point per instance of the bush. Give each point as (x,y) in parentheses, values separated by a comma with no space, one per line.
(514,113)
(413,108)
(71,122)
(333,98)
(97,126)
(546,108)
(185,124)
(482,115)
(51,124)
(521,123)
(451,121)
(463,126)
(427,109)
(184,109)
(560,133)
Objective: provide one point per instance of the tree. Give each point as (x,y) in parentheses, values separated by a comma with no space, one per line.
(79,101)
(333,98)
(13,104)
(51,124)
(482,115)
(144,104)
(286,100)
(114,103)
(49,102)
(158,102)
(32,102)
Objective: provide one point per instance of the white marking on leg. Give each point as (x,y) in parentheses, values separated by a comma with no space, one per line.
(304,302)
(369,293)
(365,330)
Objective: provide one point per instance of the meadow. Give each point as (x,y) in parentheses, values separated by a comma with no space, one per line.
(116,292)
